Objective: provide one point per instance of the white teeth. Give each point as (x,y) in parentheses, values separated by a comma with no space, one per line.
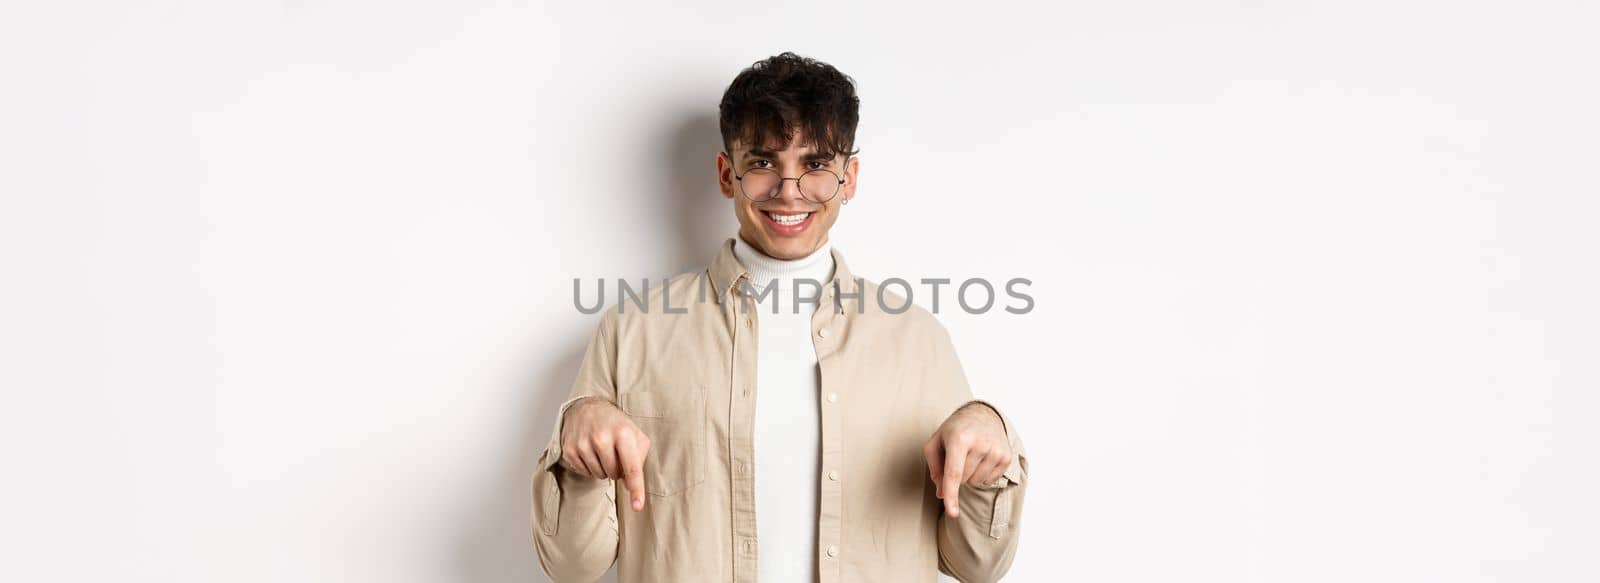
(789,220)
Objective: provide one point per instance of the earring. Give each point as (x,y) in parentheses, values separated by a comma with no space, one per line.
(846,201)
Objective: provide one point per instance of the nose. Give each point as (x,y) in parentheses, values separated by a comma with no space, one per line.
(789,186)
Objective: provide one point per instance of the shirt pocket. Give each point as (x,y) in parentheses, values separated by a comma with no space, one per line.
(675,420)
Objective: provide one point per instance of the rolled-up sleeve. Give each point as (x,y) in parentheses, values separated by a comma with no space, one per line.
(978,546)
(575,516)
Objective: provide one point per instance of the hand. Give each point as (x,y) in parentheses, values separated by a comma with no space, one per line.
(970,446)
(598,440)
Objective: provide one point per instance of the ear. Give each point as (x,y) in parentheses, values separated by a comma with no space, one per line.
(725,180)
(851,168)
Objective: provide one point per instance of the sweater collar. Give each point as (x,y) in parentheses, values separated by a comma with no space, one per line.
(726,270)
(765,269)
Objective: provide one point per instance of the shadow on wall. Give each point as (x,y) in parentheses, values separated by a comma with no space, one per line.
(705,218)
(497,540)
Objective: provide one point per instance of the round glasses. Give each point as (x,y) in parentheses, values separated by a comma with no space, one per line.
(763,184)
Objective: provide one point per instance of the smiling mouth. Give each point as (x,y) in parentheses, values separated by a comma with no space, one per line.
(787,219)
(788,223)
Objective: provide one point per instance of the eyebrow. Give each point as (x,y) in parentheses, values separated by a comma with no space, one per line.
(826,157)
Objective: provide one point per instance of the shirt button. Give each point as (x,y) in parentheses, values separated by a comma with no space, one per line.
(833,475)
(833,551)
(823,333)
(833,397)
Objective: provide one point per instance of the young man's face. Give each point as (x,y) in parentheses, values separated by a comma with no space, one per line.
(770,226)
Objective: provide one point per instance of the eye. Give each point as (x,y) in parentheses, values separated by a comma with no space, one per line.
(758,163)
(818,164)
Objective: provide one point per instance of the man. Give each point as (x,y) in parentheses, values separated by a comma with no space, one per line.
(731,427)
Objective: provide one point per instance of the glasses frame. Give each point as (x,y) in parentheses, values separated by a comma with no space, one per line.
(839,181)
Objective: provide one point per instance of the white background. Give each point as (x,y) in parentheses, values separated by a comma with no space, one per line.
(285,287)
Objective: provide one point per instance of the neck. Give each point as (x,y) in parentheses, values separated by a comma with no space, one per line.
(818,266)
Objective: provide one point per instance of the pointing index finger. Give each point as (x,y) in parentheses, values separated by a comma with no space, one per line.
(631,456)
(955,459)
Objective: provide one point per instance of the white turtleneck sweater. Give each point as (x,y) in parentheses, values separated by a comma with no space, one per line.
(788,424)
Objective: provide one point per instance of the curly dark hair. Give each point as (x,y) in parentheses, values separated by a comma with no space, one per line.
(785,92)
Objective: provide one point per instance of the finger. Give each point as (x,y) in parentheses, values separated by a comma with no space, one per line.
(955,460)
(993,465)
(572,460)
(630,454)
(591,463)
(935,454)
(607,451)
(1000,467)
(976,463)
(997,465)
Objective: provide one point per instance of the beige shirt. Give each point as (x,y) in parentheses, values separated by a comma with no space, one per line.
(682,367)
